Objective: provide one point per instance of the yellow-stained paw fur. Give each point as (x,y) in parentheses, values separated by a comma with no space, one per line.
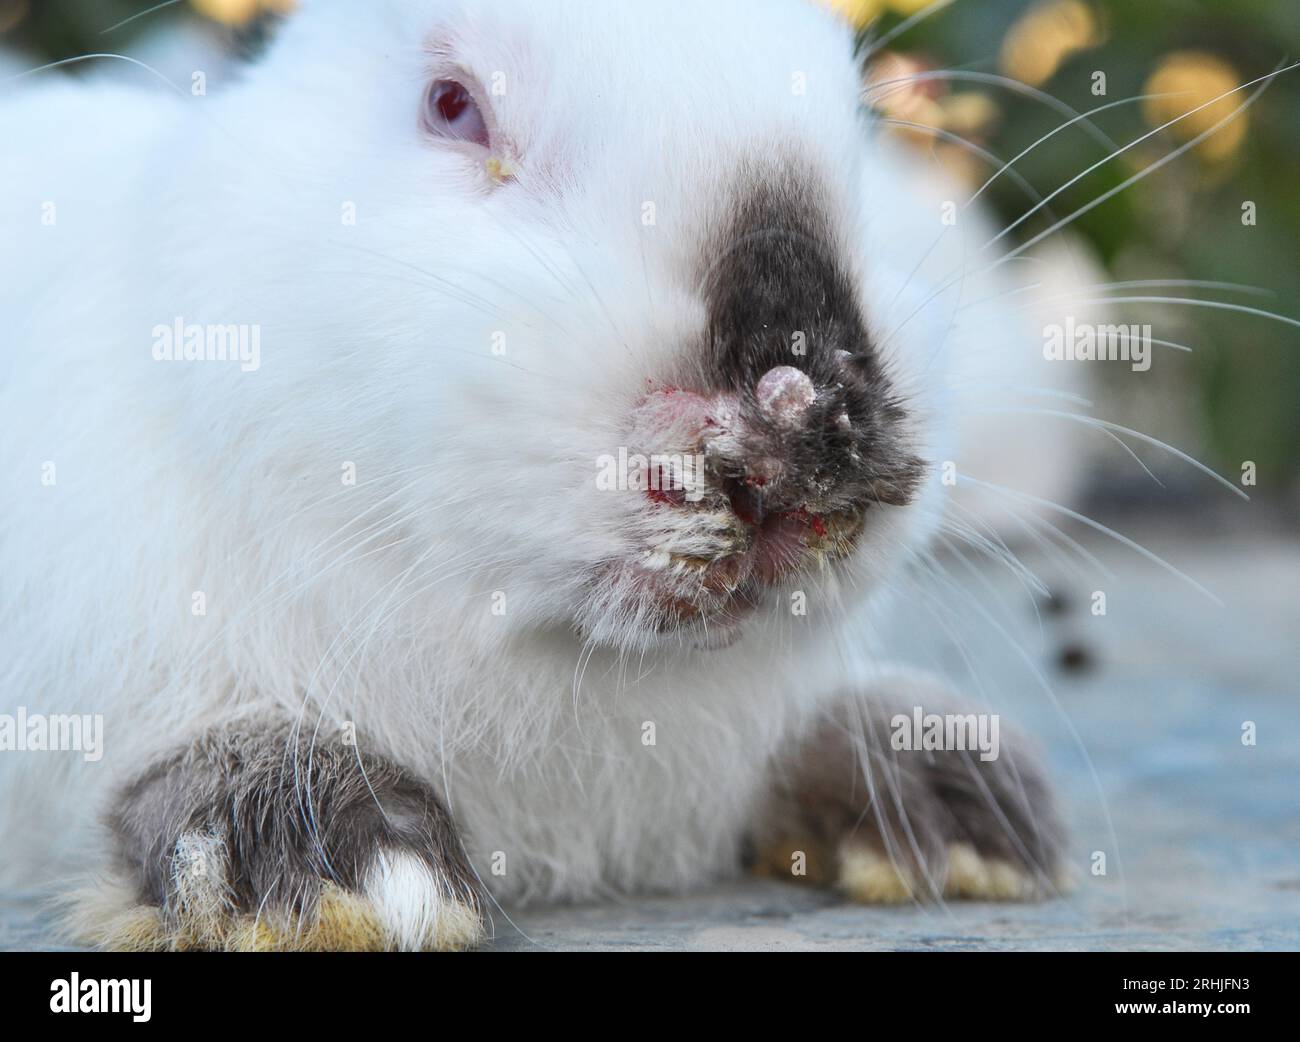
(402,907)
(342,922)
(871,877)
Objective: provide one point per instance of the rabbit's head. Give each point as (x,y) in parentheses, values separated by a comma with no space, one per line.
(581,288)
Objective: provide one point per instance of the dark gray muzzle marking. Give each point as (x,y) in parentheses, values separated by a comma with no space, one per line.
(779,294)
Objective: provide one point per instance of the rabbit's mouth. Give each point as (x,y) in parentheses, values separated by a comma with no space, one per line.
(750,494)
(717,593)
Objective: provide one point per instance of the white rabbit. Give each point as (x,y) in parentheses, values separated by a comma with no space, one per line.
(331,399)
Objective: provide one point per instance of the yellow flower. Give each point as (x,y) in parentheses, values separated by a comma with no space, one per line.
(240,12)
(862,12)
(1197,77)
(1045,36)
(907,7)
(856,12)
(969,114)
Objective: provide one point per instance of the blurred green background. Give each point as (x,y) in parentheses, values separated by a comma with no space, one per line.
(1237,397)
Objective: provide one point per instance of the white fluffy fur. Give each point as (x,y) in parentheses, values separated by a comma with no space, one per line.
(476,470)
(416,910)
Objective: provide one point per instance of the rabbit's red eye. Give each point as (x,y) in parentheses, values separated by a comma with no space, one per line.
(451,112)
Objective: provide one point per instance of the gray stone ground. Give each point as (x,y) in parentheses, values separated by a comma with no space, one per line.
(1205,848)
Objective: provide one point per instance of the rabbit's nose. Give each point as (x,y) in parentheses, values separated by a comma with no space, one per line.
(783,396)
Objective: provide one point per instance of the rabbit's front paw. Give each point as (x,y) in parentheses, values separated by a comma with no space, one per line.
(889,821)
(254,839)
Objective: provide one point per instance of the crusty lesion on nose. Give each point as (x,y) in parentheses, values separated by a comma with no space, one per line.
(784,393)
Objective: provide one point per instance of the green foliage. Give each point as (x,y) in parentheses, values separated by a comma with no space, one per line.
(1184,221)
